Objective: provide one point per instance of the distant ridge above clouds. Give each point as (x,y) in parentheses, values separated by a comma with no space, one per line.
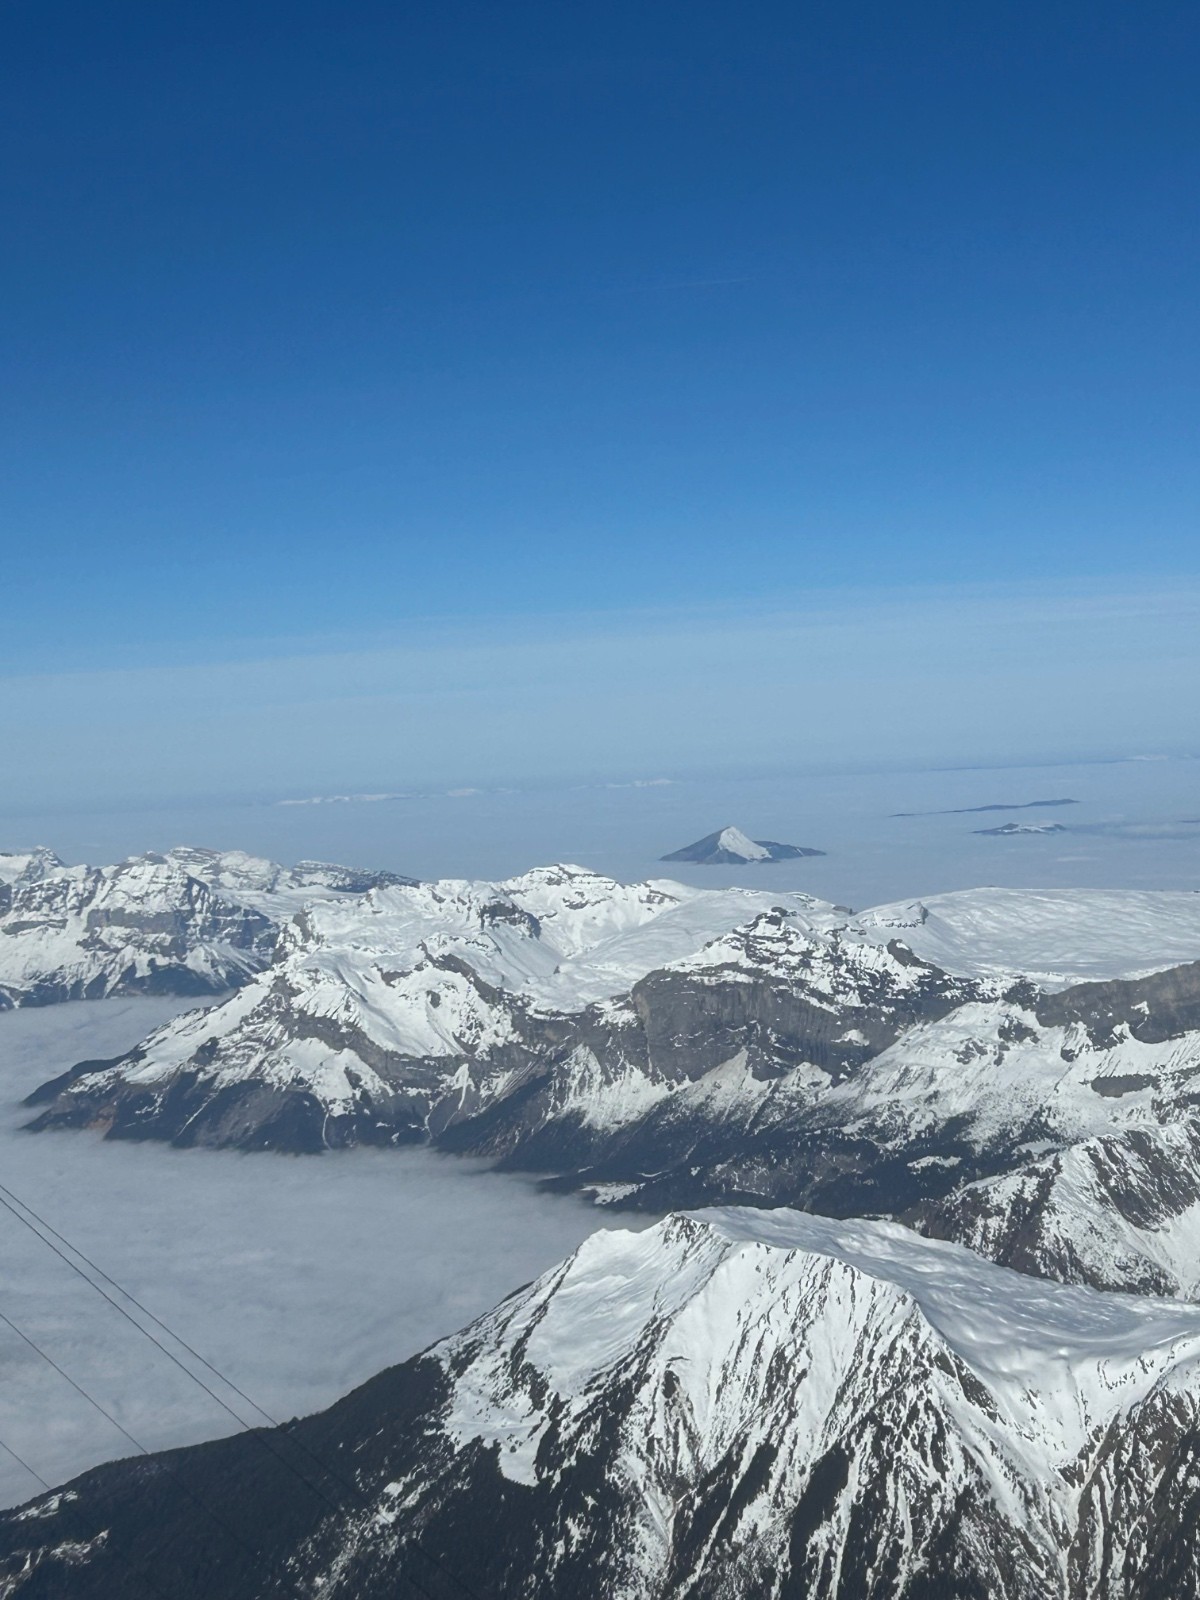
(730,847)
(968,811)
(1007,828)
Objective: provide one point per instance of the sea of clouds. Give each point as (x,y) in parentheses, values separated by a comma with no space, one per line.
(297,1277)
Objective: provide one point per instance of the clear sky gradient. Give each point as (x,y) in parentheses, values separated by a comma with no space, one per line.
(320,319)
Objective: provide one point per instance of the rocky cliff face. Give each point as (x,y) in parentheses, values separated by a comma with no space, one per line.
(730,1403)
(740,1402)
(339,1044)
(1119,1211)
(660,1047)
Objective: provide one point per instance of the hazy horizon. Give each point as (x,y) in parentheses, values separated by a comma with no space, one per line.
(854,680)
(1136,825)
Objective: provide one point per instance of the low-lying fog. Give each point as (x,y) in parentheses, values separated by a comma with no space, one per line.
(297,1277)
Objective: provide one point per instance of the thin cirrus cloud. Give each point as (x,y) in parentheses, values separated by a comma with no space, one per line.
(851,678)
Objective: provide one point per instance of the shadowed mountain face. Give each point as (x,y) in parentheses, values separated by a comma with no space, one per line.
(733,1403)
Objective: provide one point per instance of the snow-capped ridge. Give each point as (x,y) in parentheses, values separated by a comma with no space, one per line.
(663,1046)
(735,842)
(27,866)
(1059,1363)
(1054,937)
(187,921)
(731,1402)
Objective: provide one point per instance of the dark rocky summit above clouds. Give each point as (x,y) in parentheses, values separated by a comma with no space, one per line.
(730,847)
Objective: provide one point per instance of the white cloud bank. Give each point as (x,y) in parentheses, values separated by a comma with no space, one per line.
(297,1277)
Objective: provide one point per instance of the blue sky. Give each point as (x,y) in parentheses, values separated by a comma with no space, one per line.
(322,321)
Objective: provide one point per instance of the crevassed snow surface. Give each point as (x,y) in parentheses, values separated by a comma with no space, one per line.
(296,1282)
(1057,937)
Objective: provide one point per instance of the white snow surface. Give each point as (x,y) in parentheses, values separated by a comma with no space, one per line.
(578,937)
(411,971)
(27,866)
(89,929)
(788,1326)
(1064,1198)
(1056,937)
(277,891)
(561,935)
(737,843)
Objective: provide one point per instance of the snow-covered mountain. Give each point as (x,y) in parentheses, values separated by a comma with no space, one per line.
(731,1403)
(1119,1210)
(659,1046)
(730,847)
(27,866)
(187,922)
(426,1006)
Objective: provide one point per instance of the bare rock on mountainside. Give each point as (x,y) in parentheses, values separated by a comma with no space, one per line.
(730,847)
(657,1046)
(731,1403)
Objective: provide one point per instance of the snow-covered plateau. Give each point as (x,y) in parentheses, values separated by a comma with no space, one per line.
(988,1065)
(731,1403)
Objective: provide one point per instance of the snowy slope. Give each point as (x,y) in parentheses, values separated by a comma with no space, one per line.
(1056,937)
(559,936)
(1119,1210)
(27,866)
(730,847)
(188,922)
(441,1004)
(660,1046)
(732,1403)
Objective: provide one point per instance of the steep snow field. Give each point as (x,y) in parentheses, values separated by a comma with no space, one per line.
(298,1279)
(731,1403)
(1058,1362)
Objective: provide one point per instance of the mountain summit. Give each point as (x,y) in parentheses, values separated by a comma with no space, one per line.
(730,847)
(733,1402)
